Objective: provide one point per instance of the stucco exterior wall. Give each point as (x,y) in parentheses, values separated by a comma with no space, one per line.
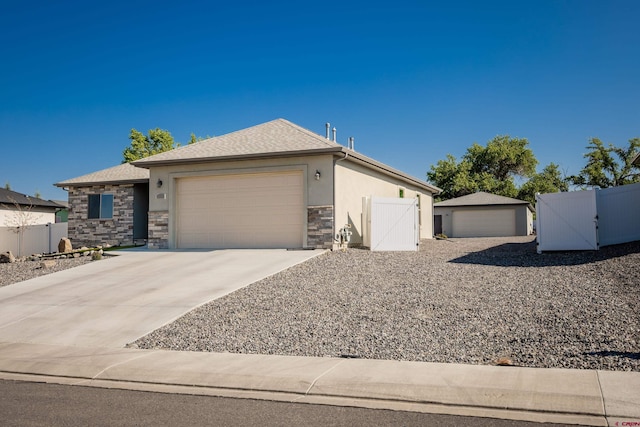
(524,217)
(10,218)
(354,181)
(90,232)
(318,193)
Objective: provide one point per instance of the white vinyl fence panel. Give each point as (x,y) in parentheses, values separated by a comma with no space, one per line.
(34,239)
(567,221)
(581,220)
(619,214)
(392,224)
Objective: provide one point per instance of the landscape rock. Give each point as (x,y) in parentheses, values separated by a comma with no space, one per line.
(485,301)
(7,257)
(48,264)
(64,246)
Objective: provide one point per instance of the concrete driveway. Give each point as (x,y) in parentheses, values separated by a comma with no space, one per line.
(113,302)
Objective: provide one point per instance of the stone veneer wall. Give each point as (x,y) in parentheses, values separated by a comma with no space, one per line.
(320,227)
(158,230)
(91,232)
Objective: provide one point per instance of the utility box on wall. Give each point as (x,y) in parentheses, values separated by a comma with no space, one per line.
(390,224)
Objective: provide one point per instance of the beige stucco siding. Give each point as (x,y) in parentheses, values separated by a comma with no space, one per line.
(354,181)
(316,192)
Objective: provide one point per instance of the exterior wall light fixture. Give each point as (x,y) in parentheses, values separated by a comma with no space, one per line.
(159,183)
(317,175)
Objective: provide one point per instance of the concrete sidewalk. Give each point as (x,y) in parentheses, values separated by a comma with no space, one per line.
(583,397)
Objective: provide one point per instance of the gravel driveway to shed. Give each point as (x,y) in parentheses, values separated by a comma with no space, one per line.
(468,301)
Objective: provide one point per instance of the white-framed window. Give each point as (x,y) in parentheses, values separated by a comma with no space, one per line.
(100,206)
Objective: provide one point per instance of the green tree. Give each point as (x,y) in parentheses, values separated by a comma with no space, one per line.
(491,168)
(452,177)
(193,138)
(157,141)
(7,185)
(608,166)
(550,180)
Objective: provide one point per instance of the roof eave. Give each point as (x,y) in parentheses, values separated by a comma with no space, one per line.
(350,155)
(114,182)
(169,162)
(484,205)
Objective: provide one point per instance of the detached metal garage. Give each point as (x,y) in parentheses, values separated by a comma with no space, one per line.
(259,210)
(483,215)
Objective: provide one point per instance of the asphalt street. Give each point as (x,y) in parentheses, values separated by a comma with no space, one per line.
(38,404)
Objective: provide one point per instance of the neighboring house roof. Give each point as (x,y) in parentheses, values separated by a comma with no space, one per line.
(125,173)
(277,138)
(636,160)
(10,198)
(481,198)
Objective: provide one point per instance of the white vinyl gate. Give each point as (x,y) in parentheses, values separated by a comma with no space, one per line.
(391,224)
(586,220)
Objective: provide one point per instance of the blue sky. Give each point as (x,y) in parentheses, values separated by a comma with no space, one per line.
(410,80)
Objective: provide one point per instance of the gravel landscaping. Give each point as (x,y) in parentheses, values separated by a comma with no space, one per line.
(472,301)
(24,270)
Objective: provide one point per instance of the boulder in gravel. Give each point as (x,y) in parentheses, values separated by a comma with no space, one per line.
(7,257)
(48,264)
(64,245)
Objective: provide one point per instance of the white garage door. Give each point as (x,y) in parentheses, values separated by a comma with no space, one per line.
(262,210)
(484,223)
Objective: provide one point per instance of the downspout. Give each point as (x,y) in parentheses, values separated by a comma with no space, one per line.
(335,162)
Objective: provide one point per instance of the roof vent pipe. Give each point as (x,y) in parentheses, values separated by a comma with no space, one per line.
(334,134)
(351,143)
(328,125)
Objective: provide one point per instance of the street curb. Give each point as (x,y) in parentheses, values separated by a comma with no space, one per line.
(585,397)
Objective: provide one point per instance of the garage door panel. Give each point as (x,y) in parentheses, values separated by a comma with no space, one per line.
(241,211)
(484,223)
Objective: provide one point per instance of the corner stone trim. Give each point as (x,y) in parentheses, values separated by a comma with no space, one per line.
(158,230)
(320,227)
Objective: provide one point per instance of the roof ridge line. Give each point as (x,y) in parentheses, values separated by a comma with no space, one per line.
(310,132)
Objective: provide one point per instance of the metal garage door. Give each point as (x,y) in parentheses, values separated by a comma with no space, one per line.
(484,223)
(262,210)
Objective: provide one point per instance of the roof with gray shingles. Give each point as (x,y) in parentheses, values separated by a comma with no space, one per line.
(121,174)
(271,138)
(10,198)
(277,138)
(481,198)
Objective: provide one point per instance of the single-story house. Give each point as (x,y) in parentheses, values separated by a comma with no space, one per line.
(274,185)
(19,209)
(483,215)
